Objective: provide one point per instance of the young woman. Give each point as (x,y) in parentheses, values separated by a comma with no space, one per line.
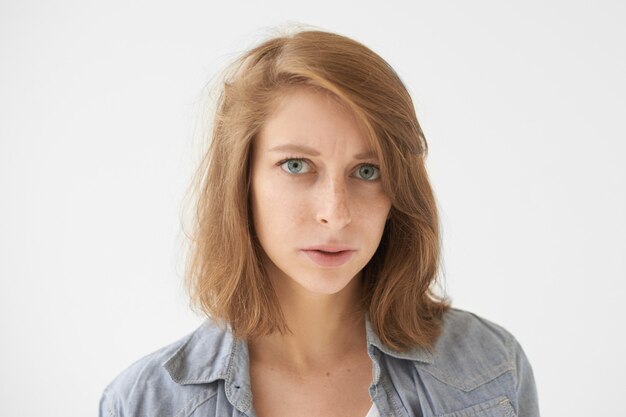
(314,255)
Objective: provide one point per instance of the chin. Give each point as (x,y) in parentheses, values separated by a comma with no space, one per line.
(325,284)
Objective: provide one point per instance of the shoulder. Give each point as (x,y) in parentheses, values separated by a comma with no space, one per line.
(477,364)
(465,329)
(149,387)
(471,350)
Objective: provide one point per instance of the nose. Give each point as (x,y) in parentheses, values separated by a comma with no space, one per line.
(333,208)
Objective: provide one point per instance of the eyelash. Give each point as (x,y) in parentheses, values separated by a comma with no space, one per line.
(294,158)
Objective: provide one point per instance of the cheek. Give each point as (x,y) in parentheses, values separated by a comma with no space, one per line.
(276,208)
(372,209)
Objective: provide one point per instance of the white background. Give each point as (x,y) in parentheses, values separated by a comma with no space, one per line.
(523,105)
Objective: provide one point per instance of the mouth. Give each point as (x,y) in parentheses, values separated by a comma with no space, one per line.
(329,259)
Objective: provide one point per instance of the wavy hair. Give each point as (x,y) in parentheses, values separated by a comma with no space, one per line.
(225,278)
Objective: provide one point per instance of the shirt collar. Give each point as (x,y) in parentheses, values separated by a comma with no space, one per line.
(204,356)
(211,353)
(417,353)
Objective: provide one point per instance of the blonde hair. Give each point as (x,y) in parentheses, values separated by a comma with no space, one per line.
(225,278)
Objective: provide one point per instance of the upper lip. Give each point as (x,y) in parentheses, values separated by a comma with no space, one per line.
(330,248)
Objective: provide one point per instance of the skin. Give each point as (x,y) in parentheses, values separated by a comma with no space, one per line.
(328,198)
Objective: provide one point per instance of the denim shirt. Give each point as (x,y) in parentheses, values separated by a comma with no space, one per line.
(476,369)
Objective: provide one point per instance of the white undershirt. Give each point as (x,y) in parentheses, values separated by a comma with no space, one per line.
(373,412)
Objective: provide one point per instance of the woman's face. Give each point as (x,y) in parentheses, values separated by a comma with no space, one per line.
(315,182)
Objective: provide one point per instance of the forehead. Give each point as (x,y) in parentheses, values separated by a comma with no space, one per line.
(313,117)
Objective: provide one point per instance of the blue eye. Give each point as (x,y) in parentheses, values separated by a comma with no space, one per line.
(369,172)
(294,166)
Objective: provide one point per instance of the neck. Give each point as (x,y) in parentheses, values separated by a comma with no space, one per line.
(326,329)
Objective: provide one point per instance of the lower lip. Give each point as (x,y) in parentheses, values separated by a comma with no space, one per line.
(329,259)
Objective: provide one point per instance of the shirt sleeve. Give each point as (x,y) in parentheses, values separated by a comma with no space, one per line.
(527,403)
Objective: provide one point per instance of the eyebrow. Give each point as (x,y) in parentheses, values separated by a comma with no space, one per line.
(312,152)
